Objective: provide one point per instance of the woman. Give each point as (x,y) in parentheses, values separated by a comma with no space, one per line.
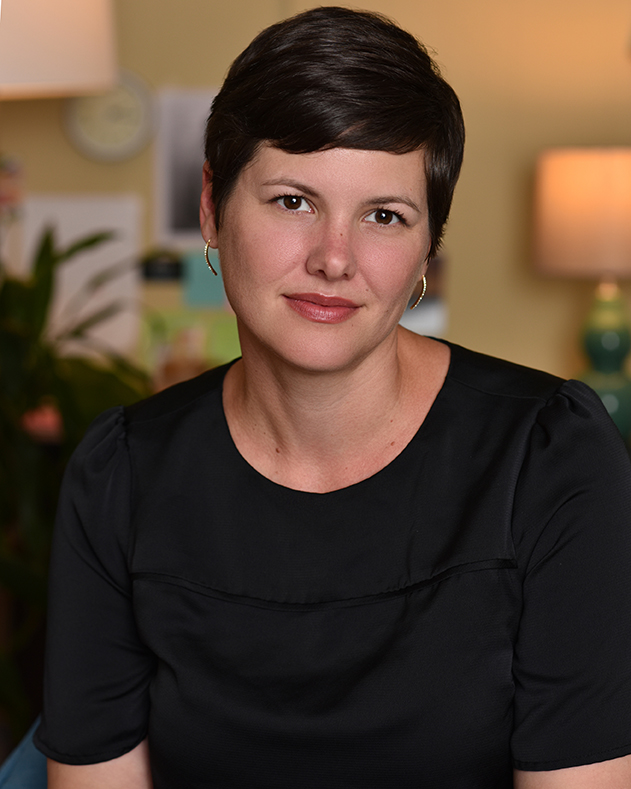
(355,557)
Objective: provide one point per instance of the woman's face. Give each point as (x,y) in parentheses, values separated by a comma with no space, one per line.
(320,252)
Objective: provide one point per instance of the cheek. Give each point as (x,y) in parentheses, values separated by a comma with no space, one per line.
(393,268)
(259,254)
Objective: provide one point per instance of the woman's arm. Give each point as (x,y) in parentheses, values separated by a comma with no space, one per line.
(613,774)
(130,771)
(98,670)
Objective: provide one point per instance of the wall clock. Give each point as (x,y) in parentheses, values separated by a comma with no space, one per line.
(113,126)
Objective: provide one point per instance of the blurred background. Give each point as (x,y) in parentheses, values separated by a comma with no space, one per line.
(140,308)
(531,74)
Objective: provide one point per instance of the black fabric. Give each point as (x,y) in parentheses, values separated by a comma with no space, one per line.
(465,610)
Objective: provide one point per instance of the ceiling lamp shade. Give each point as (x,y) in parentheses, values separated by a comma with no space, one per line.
(583,213)
(56,48)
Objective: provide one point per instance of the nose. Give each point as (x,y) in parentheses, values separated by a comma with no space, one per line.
(332,255)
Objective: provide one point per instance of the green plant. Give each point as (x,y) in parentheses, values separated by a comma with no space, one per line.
(40,386)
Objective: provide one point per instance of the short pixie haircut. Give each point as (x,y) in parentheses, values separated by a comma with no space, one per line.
(335,78)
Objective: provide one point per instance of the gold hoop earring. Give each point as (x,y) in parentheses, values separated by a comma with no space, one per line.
(420,298)
(208,263)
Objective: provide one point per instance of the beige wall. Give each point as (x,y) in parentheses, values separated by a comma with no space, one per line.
(530,74)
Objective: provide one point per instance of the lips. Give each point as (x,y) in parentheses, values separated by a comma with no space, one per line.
(320,308)
(322,301)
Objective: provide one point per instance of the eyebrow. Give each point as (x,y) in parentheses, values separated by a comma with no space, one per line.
(395,199)
(309,192)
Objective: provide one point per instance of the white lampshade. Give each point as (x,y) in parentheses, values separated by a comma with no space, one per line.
(56,48)
(583,213)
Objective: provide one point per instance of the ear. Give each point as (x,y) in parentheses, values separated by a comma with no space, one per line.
(207,208)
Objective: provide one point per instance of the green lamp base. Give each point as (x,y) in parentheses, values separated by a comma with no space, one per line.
(607,341)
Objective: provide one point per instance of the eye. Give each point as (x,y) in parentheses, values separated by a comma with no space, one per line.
(293,203)
(382,216)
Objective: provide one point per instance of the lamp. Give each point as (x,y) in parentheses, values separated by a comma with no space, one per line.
(583,230)
(50,48)
(56,48)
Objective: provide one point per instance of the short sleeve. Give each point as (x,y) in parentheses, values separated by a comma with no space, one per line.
(572,529)
(97,670)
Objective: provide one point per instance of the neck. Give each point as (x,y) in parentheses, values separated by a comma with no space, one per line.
(315,411)
(321,431)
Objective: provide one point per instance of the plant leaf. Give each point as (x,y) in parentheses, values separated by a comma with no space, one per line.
(88,242)
(106,275)
(125,370)
(84,390)
(77,331)
(96,282)
(45,257)
(42,281)
(16,306)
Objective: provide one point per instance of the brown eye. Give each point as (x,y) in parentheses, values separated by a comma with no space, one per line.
(384,217)
(292,202)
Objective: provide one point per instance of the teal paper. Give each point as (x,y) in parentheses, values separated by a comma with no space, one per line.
(201,287)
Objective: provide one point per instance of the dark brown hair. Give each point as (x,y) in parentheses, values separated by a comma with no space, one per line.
(335,78)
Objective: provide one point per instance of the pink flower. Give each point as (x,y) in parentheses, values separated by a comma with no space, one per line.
(43,424)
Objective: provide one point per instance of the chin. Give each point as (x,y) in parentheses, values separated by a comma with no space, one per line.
(332,356)
(317,349)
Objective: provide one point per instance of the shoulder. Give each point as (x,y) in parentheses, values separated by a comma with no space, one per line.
(494,376)
(121,438)
(101,447)
(107,436)
(93,506)
(176,430)
(559,409)
(555,401)
(179,397)
(542,426)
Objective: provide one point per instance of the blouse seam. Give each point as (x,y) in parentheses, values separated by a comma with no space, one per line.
(523,568)
(484,564)
(543,399)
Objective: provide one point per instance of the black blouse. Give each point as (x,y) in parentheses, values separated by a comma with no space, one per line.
(464,611)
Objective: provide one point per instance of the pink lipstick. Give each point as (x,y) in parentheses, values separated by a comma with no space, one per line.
(320,308)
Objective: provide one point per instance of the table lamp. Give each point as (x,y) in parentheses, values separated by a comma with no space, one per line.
(56,48)
(51,48)
(583,230)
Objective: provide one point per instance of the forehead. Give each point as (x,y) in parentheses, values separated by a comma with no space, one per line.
(346,172)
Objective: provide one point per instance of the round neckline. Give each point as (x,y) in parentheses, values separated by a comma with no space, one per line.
(387,469)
